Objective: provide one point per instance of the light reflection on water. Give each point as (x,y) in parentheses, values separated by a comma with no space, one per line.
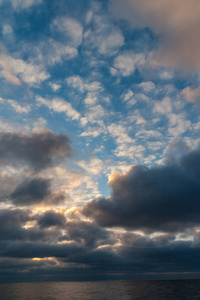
(102,290)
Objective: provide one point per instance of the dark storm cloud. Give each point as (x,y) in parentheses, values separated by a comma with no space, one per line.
(51,219)
(11,226)
(39,150)
(31,191)
(158,198)
(30,250)
(13,217)
(86,233)
(34,191)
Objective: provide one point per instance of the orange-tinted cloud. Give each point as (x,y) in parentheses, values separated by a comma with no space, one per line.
(176,21)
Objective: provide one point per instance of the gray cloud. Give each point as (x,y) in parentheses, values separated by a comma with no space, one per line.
(51,219)
(34,191)
(162,198)
(38,150)
(86,233)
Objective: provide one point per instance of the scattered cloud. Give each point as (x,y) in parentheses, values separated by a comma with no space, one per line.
(127,62)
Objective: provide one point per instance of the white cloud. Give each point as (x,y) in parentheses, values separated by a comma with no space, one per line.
(92,131)
(55,52)
(136,117)
(166,75)
(84,85)
(127,62)
(95,114)
(154,146)
(128,98)
(178,124)
(22,4)
(7,29)
(147,86)
(39,124)
(197,126)
(126,146)
(149,133)
(71,29)
(191,95)
(91,99)
(55,86)
(106,37)
(93,165)
(16,106)
(163,107)
(127,95)
(59,105)
(15,69)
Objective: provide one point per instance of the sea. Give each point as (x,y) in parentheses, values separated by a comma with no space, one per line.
(102,290)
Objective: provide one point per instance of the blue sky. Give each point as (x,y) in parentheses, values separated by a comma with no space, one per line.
(92,91)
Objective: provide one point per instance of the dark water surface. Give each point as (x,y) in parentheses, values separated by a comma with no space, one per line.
(127,290)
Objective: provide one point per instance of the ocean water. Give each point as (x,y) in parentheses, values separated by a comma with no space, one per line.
(102,290)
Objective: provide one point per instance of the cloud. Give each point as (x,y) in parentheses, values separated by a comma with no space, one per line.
(177,23)
(17,70)
(51,219)
(127,62)
(71,29)
(14,217)
(82,85)
(105,37)
(38,150)
(126,146)
(22,4)
(35,191)
(16,106)
(191,95)
(86,233)
(53,52)
(164,198)
(60,105)
(163,107)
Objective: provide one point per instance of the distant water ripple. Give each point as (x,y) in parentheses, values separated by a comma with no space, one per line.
(102,290)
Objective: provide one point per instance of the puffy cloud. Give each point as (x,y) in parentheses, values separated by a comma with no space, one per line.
(106,37)
(127,62)
(35,191)
(82,85)
(147,86)
(86,233)
(190,94)
(152,199)
(51,219)
(126,146)
(22,4)
(163,107)
(176,21)
(15,105)
(54,52)
(14,69)
(38,150)
(70,28)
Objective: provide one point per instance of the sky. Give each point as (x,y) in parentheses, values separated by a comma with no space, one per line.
(99,139)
